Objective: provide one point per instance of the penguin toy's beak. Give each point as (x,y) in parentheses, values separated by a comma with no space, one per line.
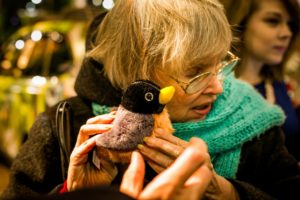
(166,94)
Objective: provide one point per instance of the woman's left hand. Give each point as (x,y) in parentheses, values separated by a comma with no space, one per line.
(161,151)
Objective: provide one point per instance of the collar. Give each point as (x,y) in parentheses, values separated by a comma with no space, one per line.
(92,84)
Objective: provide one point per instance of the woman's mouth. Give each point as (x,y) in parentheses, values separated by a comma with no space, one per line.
(280,49)
(202,110)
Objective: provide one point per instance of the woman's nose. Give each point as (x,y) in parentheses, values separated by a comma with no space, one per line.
(215,86)
(285,31)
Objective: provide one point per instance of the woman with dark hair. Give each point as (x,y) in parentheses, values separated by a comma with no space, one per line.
(265,30)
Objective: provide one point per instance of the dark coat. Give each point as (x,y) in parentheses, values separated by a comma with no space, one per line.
(265,170)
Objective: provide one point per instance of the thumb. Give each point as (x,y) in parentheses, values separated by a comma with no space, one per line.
(133,179)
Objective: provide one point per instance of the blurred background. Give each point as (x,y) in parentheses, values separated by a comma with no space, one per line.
(42,44)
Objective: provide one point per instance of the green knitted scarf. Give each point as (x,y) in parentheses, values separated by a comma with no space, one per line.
(238,115)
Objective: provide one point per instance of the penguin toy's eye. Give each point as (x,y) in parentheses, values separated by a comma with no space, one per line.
(149,96)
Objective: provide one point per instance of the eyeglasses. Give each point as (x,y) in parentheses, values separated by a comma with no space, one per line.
(201,81)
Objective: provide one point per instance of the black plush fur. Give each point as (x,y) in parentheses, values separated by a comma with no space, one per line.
(135,100)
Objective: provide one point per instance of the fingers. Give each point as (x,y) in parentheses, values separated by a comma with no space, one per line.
(80,153)
(200,181)
(160,133)
(180,174)
(133,179)
(156,156)
(162,149)
(157,168)
(95,125)
(204,174)
(165,146)
(196,155)
(102,119)
(88,130)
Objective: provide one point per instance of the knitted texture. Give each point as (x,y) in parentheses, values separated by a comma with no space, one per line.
(100,109)
(238,115)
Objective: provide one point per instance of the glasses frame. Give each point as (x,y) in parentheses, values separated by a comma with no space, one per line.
(184,85)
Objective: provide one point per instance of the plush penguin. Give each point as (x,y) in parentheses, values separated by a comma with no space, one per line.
(142,109)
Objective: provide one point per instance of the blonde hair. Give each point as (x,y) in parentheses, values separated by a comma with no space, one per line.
(137,37)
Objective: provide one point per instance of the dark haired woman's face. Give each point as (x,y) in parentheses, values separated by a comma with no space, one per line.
(268,34)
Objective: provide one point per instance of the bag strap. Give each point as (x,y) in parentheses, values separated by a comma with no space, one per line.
(63,130)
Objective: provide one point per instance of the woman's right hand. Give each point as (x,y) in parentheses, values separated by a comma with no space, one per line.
(81,173)
(187,178)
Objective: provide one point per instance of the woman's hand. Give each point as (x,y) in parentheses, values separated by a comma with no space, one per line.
(161,151)
(220,188)
(179,181)
(81,173)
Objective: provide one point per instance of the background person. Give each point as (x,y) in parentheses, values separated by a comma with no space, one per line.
(265,30)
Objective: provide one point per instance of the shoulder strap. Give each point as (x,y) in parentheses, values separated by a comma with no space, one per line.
(63,131)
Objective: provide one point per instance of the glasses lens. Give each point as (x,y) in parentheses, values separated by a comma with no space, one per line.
(229,67)
(228,64)
(199,83)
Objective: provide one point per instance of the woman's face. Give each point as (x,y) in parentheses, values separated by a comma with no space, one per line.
(190,107)
(267,33)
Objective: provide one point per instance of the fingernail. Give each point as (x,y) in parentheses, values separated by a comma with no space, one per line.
(113,114)
(140,146)
(108,126)
(134,156)
(110,116)
(146,139)
(105,127)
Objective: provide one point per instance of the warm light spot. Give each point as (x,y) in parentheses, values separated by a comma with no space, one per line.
(38,80)
(36,35)
(108,4)
(57,37)
(22,62)
(30,7)
(80,3)
(54,80)
(6,64)
(36,1)
(20,44)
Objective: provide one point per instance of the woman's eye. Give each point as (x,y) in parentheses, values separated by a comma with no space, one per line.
(194,72)
(189,76)
(272,21)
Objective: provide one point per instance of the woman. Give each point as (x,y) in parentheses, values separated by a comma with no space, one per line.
(266,29)
(183,43)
